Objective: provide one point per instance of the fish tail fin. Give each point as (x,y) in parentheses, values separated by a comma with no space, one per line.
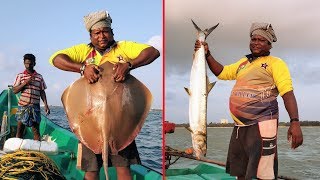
(105,152)
(187,90)
(206,31)
(196,26)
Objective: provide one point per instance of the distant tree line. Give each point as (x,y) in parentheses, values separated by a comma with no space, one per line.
(211,124)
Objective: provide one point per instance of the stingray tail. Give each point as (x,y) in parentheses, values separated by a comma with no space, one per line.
(105,158)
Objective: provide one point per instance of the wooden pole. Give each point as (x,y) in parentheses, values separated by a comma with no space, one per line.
(195,158)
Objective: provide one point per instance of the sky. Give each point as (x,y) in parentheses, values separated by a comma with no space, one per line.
(297,27)
(44,27)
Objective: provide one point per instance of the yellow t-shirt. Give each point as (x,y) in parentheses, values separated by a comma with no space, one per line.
(123,51)
(258,83)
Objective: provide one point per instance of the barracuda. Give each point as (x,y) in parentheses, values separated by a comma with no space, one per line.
(198,95)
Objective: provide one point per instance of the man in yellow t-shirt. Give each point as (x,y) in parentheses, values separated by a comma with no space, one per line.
(260,78)
(85,59)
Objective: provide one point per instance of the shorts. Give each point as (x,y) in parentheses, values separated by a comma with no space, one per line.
(253,151)
(88,161)
(29,114)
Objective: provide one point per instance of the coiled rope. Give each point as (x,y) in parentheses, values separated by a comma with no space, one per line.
(28,165)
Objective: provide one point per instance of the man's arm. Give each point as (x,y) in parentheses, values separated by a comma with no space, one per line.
(17,89)
(64,62)
(294,131)
(44,99)
(215,67)
(146,56)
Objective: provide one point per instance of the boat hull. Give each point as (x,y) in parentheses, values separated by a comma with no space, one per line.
(201,171)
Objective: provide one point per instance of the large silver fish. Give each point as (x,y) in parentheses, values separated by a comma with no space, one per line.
(198,95)
(106,114)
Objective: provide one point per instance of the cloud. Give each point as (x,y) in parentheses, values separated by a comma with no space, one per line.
(230,40)
(156,41)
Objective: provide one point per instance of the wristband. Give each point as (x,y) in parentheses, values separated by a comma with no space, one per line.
(208,54)
(130,65)
(294,119)
(83,67)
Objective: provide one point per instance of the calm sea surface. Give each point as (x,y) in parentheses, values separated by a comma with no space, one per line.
(149,140)
(302,163)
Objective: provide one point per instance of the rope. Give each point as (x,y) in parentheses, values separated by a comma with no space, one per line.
(168,156)
(27,165)
(174,152)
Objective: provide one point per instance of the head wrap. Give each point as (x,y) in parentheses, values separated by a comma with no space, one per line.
(263,29)
(97,19)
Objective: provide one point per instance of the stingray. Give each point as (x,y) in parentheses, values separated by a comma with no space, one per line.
(106,116)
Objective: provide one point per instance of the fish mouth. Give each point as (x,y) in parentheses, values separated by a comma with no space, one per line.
(200,143)
(200,153)
(200,149)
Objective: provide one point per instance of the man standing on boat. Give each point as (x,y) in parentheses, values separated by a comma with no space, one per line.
(260,78)
(85,59)
(31,85)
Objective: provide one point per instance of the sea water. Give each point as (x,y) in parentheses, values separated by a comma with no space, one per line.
(149,140)
(301,163)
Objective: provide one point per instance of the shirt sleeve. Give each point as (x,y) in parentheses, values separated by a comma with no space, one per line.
(43,84)
(133,49)
(17,82)
(76,53)
(229,72)
(281,76)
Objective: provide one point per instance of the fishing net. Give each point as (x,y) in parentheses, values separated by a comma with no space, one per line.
(28,165)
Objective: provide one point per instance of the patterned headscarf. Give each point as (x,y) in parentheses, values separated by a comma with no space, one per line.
(97,19)
(263,29)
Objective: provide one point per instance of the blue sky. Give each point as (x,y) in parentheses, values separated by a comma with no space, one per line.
(43,27)
(296,24)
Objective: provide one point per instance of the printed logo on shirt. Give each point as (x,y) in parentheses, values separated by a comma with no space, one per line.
(120,58)
(264,65)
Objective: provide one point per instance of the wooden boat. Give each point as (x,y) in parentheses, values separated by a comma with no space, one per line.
(66,158)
